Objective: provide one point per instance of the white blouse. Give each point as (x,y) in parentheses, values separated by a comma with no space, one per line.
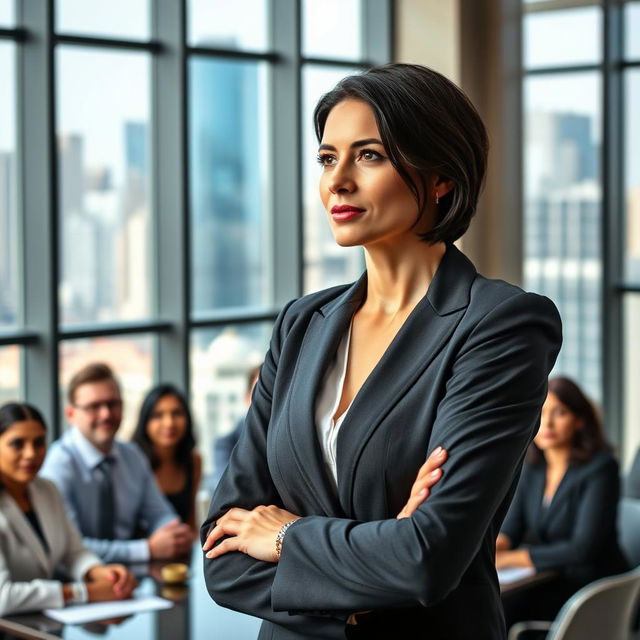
(327,404)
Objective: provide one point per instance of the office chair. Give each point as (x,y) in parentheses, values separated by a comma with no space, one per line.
(601,610)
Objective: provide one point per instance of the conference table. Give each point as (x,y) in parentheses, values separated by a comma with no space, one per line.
(193,616)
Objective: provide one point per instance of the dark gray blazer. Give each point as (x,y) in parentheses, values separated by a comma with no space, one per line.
(577,533)
(468,371)
(632,484)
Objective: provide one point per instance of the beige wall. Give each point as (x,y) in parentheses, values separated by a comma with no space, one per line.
(427,32)
(474,43)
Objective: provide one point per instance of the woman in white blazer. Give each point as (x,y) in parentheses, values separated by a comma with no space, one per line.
(36,535)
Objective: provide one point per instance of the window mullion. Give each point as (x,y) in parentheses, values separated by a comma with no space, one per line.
(170,192)
(286,154)
(39,205)
(612,222)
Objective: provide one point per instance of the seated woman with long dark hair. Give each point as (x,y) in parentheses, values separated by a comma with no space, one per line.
(36,536)
(563,515)
(165,435)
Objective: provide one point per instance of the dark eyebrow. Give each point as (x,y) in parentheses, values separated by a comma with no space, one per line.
(353,145)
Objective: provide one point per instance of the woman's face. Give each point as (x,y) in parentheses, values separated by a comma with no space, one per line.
(22,449)
(558,425)
(365,198)
(168,422)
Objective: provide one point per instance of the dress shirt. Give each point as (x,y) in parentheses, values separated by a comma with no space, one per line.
(328,401)
(72,463)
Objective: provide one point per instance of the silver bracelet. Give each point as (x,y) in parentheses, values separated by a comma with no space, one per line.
(280,537)
(79,593)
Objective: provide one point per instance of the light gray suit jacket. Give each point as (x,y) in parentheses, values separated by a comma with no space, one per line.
(26,567)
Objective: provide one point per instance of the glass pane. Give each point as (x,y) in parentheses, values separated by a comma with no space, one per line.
(229,181)
(560,38)
(8,191)
(631,433)
(632,30)
(9,373)
(332,29)
(104,185)
(632,177)
(7,16)
(131,359)
(241,24)
(221,360)
(562,213)
(126,19)
(325,263)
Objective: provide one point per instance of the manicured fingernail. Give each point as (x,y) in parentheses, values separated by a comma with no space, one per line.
(435,474)
(439,451)
(422,492)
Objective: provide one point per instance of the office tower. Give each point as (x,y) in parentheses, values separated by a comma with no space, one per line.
(8,240)
(228,205)
(562,236)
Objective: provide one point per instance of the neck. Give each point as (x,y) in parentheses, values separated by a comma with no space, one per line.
(165,454)
(17,490)
(399,276)
(557,459)
(104,448)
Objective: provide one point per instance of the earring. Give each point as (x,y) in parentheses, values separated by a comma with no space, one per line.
(437,199)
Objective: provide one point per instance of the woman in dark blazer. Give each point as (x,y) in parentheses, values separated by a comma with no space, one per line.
(319,521)
(563,516)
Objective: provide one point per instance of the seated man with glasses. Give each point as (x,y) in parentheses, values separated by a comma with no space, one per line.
(108,486)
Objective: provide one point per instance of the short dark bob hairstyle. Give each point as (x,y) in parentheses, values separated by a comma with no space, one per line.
(183,455)
(428,125)
(589,439)
(13,412)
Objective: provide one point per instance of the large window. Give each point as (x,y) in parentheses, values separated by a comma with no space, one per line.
(630,227)
(157,204)
(8,190)
(581,184)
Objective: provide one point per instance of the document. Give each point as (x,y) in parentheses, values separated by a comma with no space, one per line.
(81,613)
(513,574)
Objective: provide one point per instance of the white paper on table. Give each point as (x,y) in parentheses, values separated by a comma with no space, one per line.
(81,613)
(513,574)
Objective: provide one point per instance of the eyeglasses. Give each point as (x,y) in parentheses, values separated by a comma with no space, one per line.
(94,407)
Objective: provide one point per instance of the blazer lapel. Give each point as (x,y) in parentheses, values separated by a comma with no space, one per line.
(558,497)
(322,337)
(535,499)
(23,529)
(419,340)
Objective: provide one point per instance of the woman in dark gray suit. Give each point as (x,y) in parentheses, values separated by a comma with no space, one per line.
(563,516)
(361,381)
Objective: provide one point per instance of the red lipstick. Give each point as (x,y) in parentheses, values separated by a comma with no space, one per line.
(344,212)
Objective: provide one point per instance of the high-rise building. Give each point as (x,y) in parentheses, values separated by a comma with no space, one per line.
(8,240)
(562,239)
(133,229)
(227,200)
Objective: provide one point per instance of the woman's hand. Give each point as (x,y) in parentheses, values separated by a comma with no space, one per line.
(513,558)
(428,474)
(252,532)
(502,542)
(121,580)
